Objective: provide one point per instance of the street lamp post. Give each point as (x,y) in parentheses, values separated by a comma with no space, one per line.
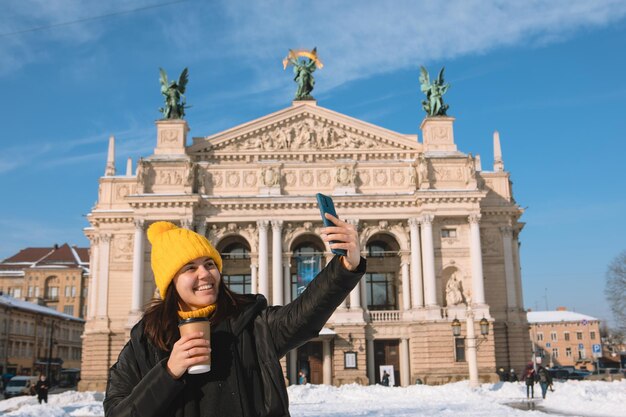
(472,342)
(50,350)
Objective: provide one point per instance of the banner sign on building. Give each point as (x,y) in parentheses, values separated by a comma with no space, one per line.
(308,268)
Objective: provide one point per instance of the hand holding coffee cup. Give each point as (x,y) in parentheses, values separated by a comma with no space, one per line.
(192,352)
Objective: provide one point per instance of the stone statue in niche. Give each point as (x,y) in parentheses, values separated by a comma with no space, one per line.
(454,291)
(422,169)
(270,177)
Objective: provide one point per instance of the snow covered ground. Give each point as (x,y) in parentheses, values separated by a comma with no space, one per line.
(572,398)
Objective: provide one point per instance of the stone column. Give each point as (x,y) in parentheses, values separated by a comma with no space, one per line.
(293,366)
(371,372)
(186,223)
(355,297)
(138,263)
(201,227)
(406,292)
(254,281)
(264,284)
(509,272)
(327,364)
(478,286)
(277,262)
(518,268)
(93,271)
(428,255)
(103,276)
(287,279)
(404,362)
(417,281)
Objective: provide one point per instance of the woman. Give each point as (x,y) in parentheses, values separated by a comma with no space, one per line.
(41,388)
(247,337)
(529,377)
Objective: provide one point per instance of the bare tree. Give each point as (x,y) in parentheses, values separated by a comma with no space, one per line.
(615,290)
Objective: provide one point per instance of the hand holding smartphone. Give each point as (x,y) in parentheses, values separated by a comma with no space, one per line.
(326,205)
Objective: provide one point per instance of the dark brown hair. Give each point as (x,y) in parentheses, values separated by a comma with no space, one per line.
(161,316)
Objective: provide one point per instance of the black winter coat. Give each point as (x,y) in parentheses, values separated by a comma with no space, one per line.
(139,384)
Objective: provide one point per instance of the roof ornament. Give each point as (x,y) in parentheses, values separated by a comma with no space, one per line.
(174,93)
(303,70)
(433,105)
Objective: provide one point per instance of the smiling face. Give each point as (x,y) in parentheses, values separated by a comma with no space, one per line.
(197,284)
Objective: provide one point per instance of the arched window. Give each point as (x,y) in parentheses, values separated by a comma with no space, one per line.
(308,263)
(236,251)
(236,267)
(52,288)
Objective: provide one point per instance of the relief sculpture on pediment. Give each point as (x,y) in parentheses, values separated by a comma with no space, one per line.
(305,134)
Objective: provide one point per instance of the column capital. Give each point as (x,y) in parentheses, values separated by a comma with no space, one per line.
(262,224)
(354,222)
(507,231)
(474,218)
(186,223)
(139,223)
(106,237)
(405,258)
(277,225)
(413,222)
(427,219)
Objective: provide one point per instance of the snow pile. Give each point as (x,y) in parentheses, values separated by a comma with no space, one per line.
(575,398)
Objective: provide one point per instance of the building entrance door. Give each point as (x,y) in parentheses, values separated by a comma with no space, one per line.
(310,361)
(387,352)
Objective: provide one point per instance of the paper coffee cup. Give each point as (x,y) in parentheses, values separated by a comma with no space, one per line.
(199,324)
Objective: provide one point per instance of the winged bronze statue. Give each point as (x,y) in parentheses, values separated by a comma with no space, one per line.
(303,70)
(433,105)
(174,93)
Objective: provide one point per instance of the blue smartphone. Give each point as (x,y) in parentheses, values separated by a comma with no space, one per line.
(326,205)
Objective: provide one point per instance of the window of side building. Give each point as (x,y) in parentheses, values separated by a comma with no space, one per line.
(568,352)
(553,336)
(566,336)
(539,337)
(592,335)
(459,349)
(579,335)
(555,353)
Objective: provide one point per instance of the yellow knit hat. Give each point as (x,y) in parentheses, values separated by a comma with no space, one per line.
(174,247)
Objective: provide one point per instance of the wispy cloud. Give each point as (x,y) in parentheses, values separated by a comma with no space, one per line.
(65,152)
(355,40)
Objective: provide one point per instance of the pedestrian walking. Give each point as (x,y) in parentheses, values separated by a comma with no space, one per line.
(545,380)
(385,379)
(529,378)
(41,388)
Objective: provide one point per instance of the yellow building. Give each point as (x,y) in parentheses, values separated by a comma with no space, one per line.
(33,337)
(565,338)
(440,233)
(54,277)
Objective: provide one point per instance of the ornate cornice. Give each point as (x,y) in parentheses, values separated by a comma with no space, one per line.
(163,201)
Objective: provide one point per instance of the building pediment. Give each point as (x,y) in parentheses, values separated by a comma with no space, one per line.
(304,127)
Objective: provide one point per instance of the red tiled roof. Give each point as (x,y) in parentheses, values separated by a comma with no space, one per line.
(63,255)
(83,254)
(58,255)
(28,255)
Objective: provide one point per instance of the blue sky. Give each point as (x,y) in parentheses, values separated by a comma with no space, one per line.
(550,76)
